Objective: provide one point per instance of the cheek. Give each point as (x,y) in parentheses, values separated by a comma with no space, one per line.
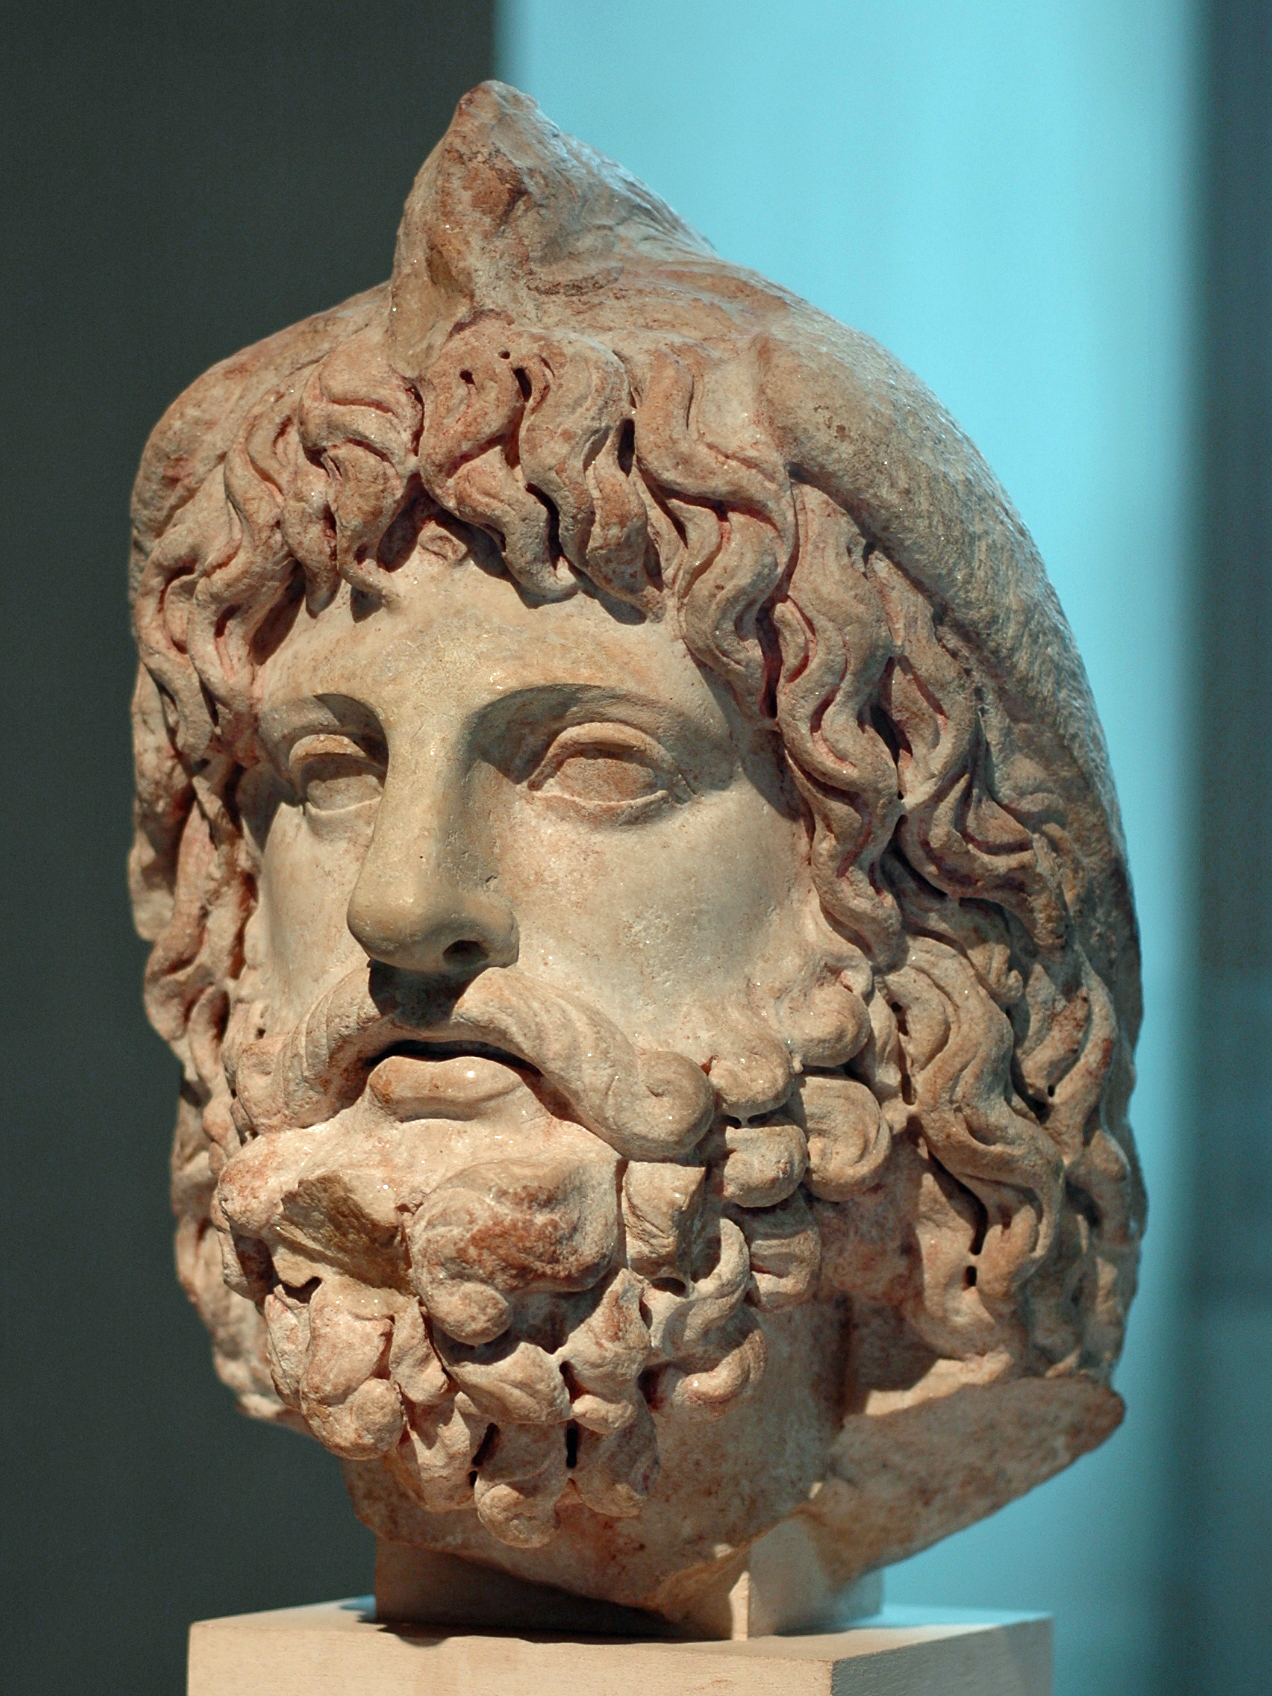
(645,919)
(306,879)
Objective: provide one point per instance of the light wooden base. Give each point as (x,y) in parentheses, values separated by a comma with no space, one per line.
(338,1649)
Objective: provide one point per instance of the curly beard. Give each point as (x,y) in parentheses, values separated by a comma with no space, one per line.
(495,1245)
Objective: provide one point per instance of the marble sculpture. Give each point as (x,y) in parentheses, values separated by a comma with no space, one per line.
(638,897)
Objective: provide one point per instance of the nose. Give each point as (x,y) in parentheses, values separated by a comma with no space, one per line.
(424,900)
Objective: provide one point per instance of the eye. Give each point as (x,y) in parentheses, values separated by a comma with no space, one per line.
(609,770)
(332,773)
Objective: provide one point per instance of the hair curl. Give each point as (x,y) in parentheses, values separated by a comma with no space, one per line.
(937,843)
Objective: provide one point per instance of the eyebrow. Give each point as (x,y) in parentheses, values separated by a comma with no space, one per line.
(518,718)
(575,702)
(692,738)
(285,721)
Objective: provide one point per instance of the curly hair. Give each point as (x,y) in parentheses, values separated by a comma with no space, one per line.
(936,844)
(615,425)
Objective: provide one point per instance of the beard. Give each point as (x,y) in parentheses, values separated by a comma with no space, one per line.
(497,1246)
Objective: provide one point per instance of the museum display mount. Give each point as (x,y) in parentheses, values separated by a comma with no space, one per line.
(337,1649)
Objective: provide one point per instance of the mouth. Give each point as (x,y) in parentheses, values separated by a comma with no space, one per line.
(417,1079)
(414,1050)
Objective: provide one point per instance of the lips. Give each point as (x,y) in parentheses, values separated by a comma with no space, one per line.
(646,1104)
(444,1080)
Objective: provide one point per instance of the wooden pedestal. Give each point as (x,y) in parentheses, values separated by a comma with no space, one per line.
(338,1649)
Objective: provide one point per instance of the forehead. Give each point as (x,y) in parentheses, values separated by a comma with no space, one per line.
(456,636)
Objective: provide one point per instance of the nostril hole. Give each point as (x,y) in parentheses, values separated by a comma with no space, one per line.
(464,953)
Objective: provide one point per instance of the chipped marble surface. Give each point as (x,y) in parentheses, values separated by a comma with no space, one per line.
(638,897)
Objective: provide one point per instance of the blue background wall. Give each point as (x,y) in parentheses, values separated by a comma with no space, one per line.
(1001,193)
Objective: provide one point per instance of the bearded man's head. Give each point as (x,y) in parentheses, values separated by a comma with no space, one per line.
(638,897)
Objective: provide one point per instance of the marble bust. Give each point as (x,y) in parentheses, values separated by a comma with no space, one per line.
(638,897)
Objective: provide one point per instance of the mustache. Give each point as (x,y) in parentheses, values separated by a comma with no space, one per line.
(653,1105)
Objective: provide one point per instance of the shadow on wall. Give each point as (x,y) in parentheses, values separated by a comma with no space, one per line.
(1222,1638)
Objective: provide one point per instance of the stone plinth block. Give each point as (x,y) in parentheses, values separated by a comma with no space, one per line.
(338,1649)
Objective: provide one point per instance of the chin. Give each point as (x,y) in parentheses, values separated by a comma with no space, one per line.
(725,1478)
